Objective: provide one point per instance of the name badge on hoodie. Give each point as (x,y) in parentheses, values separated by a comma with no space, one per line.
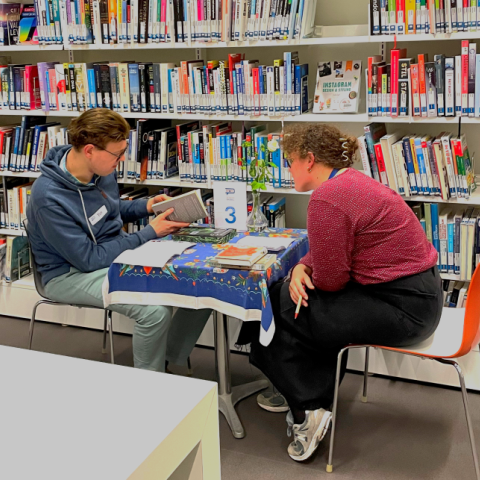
(98,215)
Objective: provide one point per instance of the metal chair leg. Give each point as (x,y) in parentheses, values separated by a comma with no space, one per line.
(334,411)
(190,369)
(365,375)
(467,413)
(32,321)
(105,327)
(110,329)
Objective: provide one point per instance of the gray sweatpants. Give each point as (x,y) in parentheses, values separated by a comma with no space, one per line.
(157,335)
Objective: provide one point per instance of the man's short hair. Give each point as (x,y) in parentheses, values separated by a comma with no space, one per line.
(97,126)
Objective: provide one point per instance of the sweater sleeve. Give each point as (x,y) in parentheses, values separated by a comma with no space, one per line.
(331,237)
(73,244)
(133,210)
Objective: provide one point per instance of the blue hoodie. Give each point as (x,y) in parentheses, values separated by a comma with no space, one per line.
(79,225)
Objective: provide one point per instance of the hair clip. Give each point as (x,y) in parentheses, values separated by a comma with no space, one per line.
(344,146)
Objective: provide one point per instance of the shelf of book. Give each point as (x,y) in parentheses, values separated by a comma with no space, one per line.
(450,276)
(306,117)
(20,174)
(473,200)
(326,39)
(271,189)
(29,48)
(12,232)
(26,282)
(171,182)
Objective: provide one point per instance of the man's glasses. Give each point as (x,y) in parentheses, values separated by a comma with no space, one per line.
(289,161)
(118,156)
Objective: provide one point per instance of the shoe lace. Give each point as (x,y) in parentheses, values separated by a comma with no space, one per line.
(290,423)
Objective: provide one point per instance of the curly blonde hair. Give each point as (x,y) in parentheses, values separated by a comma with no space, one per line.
(325,142)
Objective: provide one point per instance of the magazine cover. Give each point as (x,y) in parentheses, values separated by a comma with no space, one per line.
(337,87)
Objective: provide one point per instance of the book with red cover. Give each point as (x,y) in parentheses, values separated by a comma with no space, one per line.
(52,78)
(371,61)
(234,58)
(395,55)
(464,77)
(32,87)
(415,89)
(422,84)
(382,171)
(401,17)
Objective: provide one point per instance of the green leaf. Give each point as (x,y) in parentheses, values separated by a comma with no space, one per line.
(270,164)
(256,185)
(262,186)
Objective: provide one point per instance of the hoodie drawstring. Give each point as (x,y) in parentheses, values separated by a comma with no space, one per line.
(86,218)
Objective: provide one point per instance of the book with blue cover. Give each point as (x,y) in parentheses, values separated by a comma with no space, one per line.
(134,83)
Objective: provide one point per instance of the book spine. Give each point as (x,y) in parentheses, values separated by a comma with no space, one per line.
(410,166)
(422,85)
(404,87)
(415,90)
(458,85)
(465,77)
(395,57)
(472,66)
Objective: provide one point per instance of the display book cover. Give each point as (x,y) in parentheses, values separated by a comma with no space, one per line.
(9,23)
(205,235)
(27,29)
(241,256)
(337,87)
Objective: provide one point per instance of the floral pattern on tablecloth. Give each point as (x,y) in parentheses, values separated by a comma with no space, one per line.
(190,274)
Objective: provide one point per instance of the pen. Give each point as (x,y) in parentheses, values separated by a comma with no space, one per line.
(299,304)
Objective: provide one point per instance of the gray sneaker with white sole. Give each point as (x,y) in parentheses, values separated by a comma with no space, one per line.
(309,434)
(272,401)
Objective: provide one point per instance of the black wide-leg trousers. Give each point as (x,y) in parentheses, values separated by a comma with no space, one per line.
(302,357)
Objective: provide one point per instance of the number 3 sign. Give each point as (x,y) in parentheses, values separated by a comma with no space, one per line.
(230,205)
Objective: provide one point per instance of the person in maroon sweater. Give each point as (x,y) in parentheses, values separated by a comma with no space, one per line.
(370,277)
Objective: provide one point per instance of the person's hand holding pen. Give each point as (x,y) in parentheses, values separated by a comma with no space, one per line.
(301,278)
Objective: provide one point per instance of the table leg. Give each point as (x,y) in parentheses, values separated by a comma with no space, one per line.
(228,397)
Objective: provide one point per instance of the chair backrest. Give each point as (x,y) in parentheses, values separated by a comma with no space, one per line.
(471,326)
(37,276)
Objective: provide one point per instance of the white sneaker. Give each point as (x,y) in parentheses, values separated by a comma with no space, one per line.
(308,435)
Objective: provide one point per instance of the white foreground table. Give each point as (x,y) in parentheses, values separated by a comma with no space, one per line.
(63,418)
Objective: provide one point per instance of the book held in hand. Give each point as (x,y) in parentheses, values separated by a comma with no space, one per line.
(188,207)
(205,234)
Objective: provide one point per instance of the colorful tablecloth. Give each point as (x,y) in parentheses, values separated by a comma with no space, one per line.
(189,281)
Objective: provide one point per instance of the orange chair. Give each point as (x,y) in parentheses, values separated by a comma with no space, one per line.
(453,338)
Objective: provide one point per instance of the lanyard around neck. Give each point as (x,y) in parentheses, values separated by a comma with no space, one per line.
(334,172)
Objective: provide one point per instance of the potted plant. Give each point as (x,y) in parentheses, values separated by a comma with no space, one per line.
(260,173)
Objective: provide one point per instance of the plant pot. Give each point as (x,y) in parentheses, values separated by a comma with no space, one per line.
(256,220)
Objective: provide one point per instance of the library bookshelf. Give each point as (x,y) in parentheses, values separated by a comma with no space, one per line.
(341,38)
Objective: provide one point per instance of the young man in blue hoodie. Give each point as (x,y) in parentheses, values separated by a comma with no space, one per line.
(75,220)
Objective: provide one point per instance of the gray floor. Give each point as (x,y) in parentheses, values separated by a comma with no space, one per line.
(406,431)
